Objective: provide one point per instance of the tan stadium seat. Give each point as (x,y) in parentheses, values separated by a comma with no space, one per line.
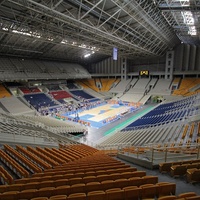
(15,187)
(126,175)
(45,192)
(61,182)
(178,170)
(79,174)
(136,181)
(121,183)
(28,194)
(187,194)
(62,190)
(115,176)
(104,177)
(96,195)
(165,167)
(90,173)
(76,180)
(77,196)
(45,184)
(58,197)
(193,198)
(87,179)
(170,197)
(148,191)
(101,172)
(114,194)
(132,192)
(107,184)
(138,174)
(92,186)
(11,195)
(56,177)
(193,175)
(33,185)
(165,189)
(3,188)
(150,179)
(78,188)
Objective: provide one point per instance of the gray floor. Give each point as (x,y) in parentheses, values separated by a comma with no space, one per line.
(181,184)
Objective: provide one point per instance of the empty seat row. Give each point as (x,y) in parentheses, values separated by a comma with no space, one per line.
(182,196)
(42,164)
(13,165)
(119,193)
(5,177)
(124,173)
(193,175)
(134,180)
(180,170)
(166,166)
(21,159)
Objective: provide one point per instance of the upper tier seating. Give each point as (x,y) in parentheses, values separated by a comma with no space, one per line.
(71,86)
(27,90)
(165,113)
(139,86)
(39,100)
(162,87)
(58,95)
(53,87)
(17,69)
(15,106)
(186,87)
(88,83)
(82,94)
(106,84)
(4,92)
(121,86)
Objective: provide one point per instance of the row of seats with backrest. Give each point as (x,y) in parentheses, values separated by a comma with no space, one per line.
(41,163)
(182,196)
(128,195)
(21,159)
(5,177)
(166,166)
(127,192)
(36,161)
(136,181)
(103,166)
(85,178)
(193,175)
(42,156)
(13,165)
(84,169)
(180,170)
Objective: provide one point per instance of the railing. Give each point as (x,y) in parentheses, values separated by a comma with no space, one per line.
(153,153)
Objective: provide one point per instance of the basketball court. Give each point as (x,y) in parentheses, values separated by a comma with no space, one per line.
(102,115)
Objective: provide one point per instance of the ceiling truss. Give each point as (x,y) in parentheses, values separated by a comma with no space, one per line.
(51,28)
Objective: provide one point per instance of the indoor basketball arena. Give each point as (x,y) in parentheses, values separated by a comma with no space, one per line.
(100,100)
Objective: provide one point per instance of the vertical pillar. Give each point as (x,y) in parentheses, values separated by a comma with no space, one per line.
(124,69)
(169,65)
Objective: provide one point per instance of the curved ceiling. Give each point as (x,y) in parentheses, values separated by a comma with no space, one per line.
(87,30)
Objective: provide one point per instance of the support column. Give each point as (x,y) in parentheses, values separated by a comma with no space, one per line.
(124,69)
(169,65)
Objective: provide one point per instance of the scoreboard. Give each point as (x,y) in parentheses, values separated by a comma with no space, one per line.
(144,73)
